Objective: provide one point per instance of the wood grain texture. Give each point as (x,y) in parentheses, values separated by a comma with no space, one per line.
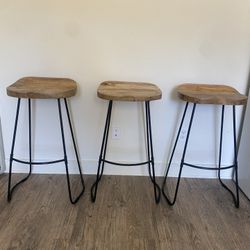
(42,88)
(210,94)
(124,216)
(128,91)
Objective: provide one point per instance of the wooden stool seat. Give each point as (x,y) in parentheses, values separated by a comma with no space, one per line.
(42,88)
(128,91)
(210,94)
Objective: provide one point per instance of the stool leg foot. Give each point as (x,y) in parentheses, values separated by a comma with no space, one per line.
(73,201)
(11,189)
(169,201)
(235,196)
(157,190)
(102,155)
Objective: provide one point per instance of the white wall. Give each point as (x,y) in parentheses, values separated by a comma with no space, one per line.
(164,42)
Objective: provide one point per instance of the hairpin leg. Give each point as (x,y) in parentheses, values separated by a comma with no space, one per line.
(183,156)
(102,153)
(73,201)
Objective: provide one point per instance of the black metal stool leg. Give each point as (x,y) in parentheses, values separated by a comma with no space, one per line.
(10,190)
(235,165)
(102,153)
(157,190)
(236,199)
(148,143)
(106,141)
(171,203)
(221,139)
(73,201)
(172,154)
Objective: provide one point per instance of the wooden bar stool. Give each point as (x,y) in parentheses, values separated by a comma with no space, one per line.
(132,92)
(207,94)
(43,88)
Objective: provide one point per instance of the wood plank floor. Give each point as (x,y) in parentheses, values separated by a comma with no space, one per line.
(124,216)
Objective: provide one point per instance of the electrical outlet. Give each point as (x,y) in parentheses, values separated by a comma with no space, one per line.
(116,133)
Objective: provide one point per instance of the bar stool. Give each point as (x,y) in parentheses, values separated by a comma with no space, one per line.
(43,88)
(132,92)
(206,94)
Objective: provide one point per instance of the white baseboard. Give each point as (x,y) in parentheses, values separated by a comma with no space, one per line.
(90,167)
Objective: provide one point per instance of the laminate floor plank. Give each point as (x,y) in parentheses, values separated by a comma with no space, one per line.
(124,216)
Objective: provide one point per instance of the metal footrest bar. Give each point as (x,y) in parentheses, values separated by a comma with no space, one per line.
(207,168)
(126,164)
(38,163)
